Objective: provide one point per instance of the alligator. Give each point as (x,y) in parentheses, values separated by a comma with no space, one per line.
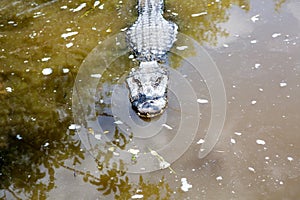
(150,38)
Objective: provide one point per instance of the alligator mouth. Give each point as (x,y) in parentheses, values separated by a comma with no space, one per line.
(149,107)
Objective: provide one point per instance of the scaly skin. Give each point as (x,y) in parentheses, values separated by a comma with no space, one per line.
(150,38)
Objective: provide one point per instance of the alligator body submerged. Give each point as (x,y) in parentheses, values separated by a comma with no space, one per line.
(150,38)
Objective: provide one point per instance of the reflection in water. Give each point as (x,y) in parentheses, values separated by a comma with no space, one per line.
(35,108)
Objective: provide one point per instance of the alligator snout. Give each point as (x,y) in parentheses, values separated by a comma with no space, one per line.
(149,107)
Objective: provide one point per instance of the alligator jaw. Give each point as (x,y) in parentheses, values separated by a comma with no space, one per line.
(149,108)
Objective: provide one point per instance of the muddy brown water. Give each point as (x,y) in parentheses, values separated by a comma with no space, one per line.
(255,46)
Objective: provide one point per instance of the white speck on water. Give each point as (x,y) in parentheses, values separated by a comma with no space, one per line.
(260,89)
(94,28)
(185,185)
(19,137)
(74,127)
(255,18)
(131,56)
(257,65)
(118,122)
(137,196)
(98,136)
(96,75)
(253,41)
(290,158)
(281,182)
(69,34)
(134,151)
(201,141)
(202,101)
(8,89)
(10,22)
(232,141)
(260,142)
(164,164)
(174,13)
(219,178)
(283,84)
(253,102)
(65,70)
(267,158)
(275,35)
(251,169)
(101,7)
(46,144)
(80,7)
(68,29)
(167,126)
(181,48)
(45,59)
(69,45)
(97,3)
(199,14)
(238,133)
(47,71)
(63,7)
(225,45)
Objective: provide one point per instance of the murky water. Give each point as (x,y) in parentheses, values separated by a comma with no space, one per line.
(255,46)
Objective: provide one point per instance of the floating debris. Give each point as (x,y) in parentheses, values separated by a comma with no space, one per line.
(185,185)
(253,41)
(8,89)
(257,65)
(251,169)
(66,35)
(164,165)
(69,45)
(199,14)
(219,178)
(167,126)
(137,196)
(96,75)
(118,122)
(134,151)
(275,35)
(65,70)
(80,7)
(47,71)
(225,45)
(19,137)
(253,102)
(45,59)
(201,141)
(283,84)
(290,158)
(238,133)
(260,142)
(232,141)
(202,101)
(96,3)
(181,48)
(98,136)
(255,18)
(74,127)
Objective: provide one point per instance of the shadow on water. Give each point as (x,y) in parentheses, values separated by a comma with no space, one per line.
(35,107)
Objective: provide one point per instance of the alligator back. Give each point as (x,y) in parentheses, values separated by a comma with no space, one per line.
(151,36)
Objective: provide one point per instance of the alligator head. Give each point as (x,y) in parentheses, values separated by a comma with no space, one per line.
(148,89)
